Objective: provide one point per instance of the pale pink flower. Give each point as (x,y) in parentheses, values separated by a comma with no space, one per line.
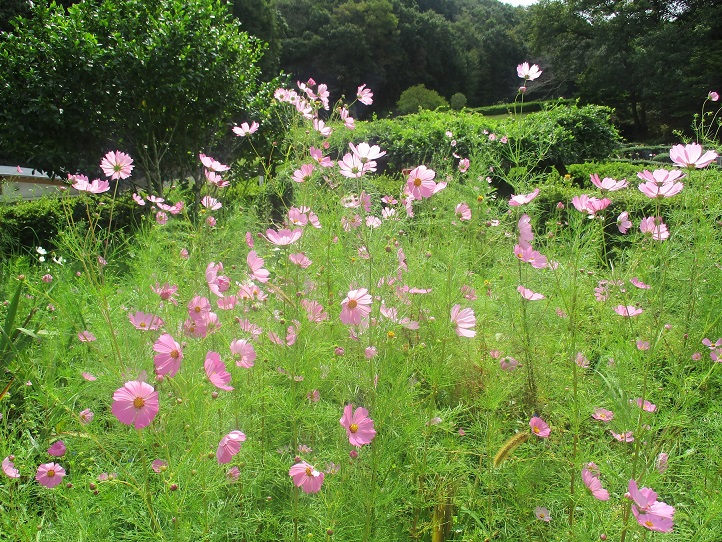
(508,364)
(161,218)
(581,360)
(351,166)
(86,337)
(284,236)
(364,95)
(184,254)
(216,371)
(229,446)
(50,474)
(464,320)
(321,127)
(81,184)
(169,357)
(607,184)
(159,466)
(594,485)
(348,120)
(603,415)
(213,178)
(661,462)
(233,474)
(713,96)
(117,165)
(317,155)
(463,211)
(359,427)
(642,345)
(9,468)
(198,306)
(367,154)
(654,227)
(244,129)
(525,233)
(86,416)
(136,404)
(523,199)
(464,164)
(212,164)
(370,352)
(539,427)
(645,405)
(58,449)
(650,513)
(314,311)
(256,264)
(300,259)
(627,436)
(531,256)
(227,303)
(528,73)
(639,284)
(542,514)
(211,203)
(526,293)
(303,174)
(145,321)
(654,189)
(420,182)
(690,156)
(628,310)
(166,292)
(243,352)
(356,306)
(89,377)
(306,477)
(138,199)
(588,205)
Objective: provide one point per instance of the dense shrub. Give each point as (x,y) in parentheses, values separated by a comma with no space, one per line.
(419,97)
(457,101)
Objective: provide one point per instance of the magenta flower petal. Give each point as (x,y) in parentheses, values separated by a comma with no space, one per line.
(229,446)
(359,427)
(136,404)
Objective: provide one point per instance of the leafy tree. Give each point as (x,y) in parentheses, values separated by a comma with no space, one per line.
(419,97)
(160,79)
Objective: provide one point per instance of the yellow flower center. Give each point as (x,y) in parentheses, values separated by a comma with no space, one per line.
(142,324)
(50,473)
(417,182)
(391,334)
(352,304)
(353,427)
(536,430)
(309,471)
(138,402)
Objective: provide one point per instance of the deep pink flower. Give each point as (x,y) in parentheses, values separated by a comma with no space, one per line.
(654,227)
(539,427)
(145,322)
(244,129)
(50,474)
(166,292)
(9,468)
(531,256)
(465,321)
(628,310)
(283,237)
(523,199)
(117,165)
(607,184)
(594,485)
(168,359)
(420,182)
(356,306)
(364,95)
(136,404)
(526,293)
(229,446)
(58,449)
(243,352)
(604,415)
(359,427)
(216,371)
(650,513)
(306,477)
(690,156)
(528,73)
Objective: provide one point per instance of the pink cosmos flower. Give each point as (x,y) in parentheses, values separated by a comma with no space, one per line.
(161,218)
(531,256)
(9,468)
(283,237)
(351,166)
(243,352)
(661,176)
(314,311)
(528,73)
(168,359)
(306,477)
(650,513)
(256,264)
(604,415)
(211,203)
(364,95)
(359,427)
(244,129)
(627,436)
(713,96)
(608,184)
(303,174)
(525,233)
(523,199)
(217,283)
(588,205)
(594,485)
(213,178)
(465,321)
(166,292)
(654,227)
(136,404)
(81,184)
(86,416)
(645,405)
(145,322)
(47,278)
(464,164)
(212,164)
(463,211)
(661,462)
(348,120)
(508,364)
(317,155)
(216,371)
(50,474)
(321,128)
(526,293)
(356,306)
(623,222)
(138,199)
(639,284)
(655,189)
(198,306)
(159,466)
(229,446)
(690,156)
(58,449)
(86,337)
(542,514)
(642,345)
(300,259)
(628,310)
(117,165)
(89,377)
(539,427)
(420,182)
(233,474)
(367,154)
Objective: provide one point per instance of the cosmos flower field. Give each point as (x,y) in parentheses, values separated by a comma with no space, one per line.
(437,362)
